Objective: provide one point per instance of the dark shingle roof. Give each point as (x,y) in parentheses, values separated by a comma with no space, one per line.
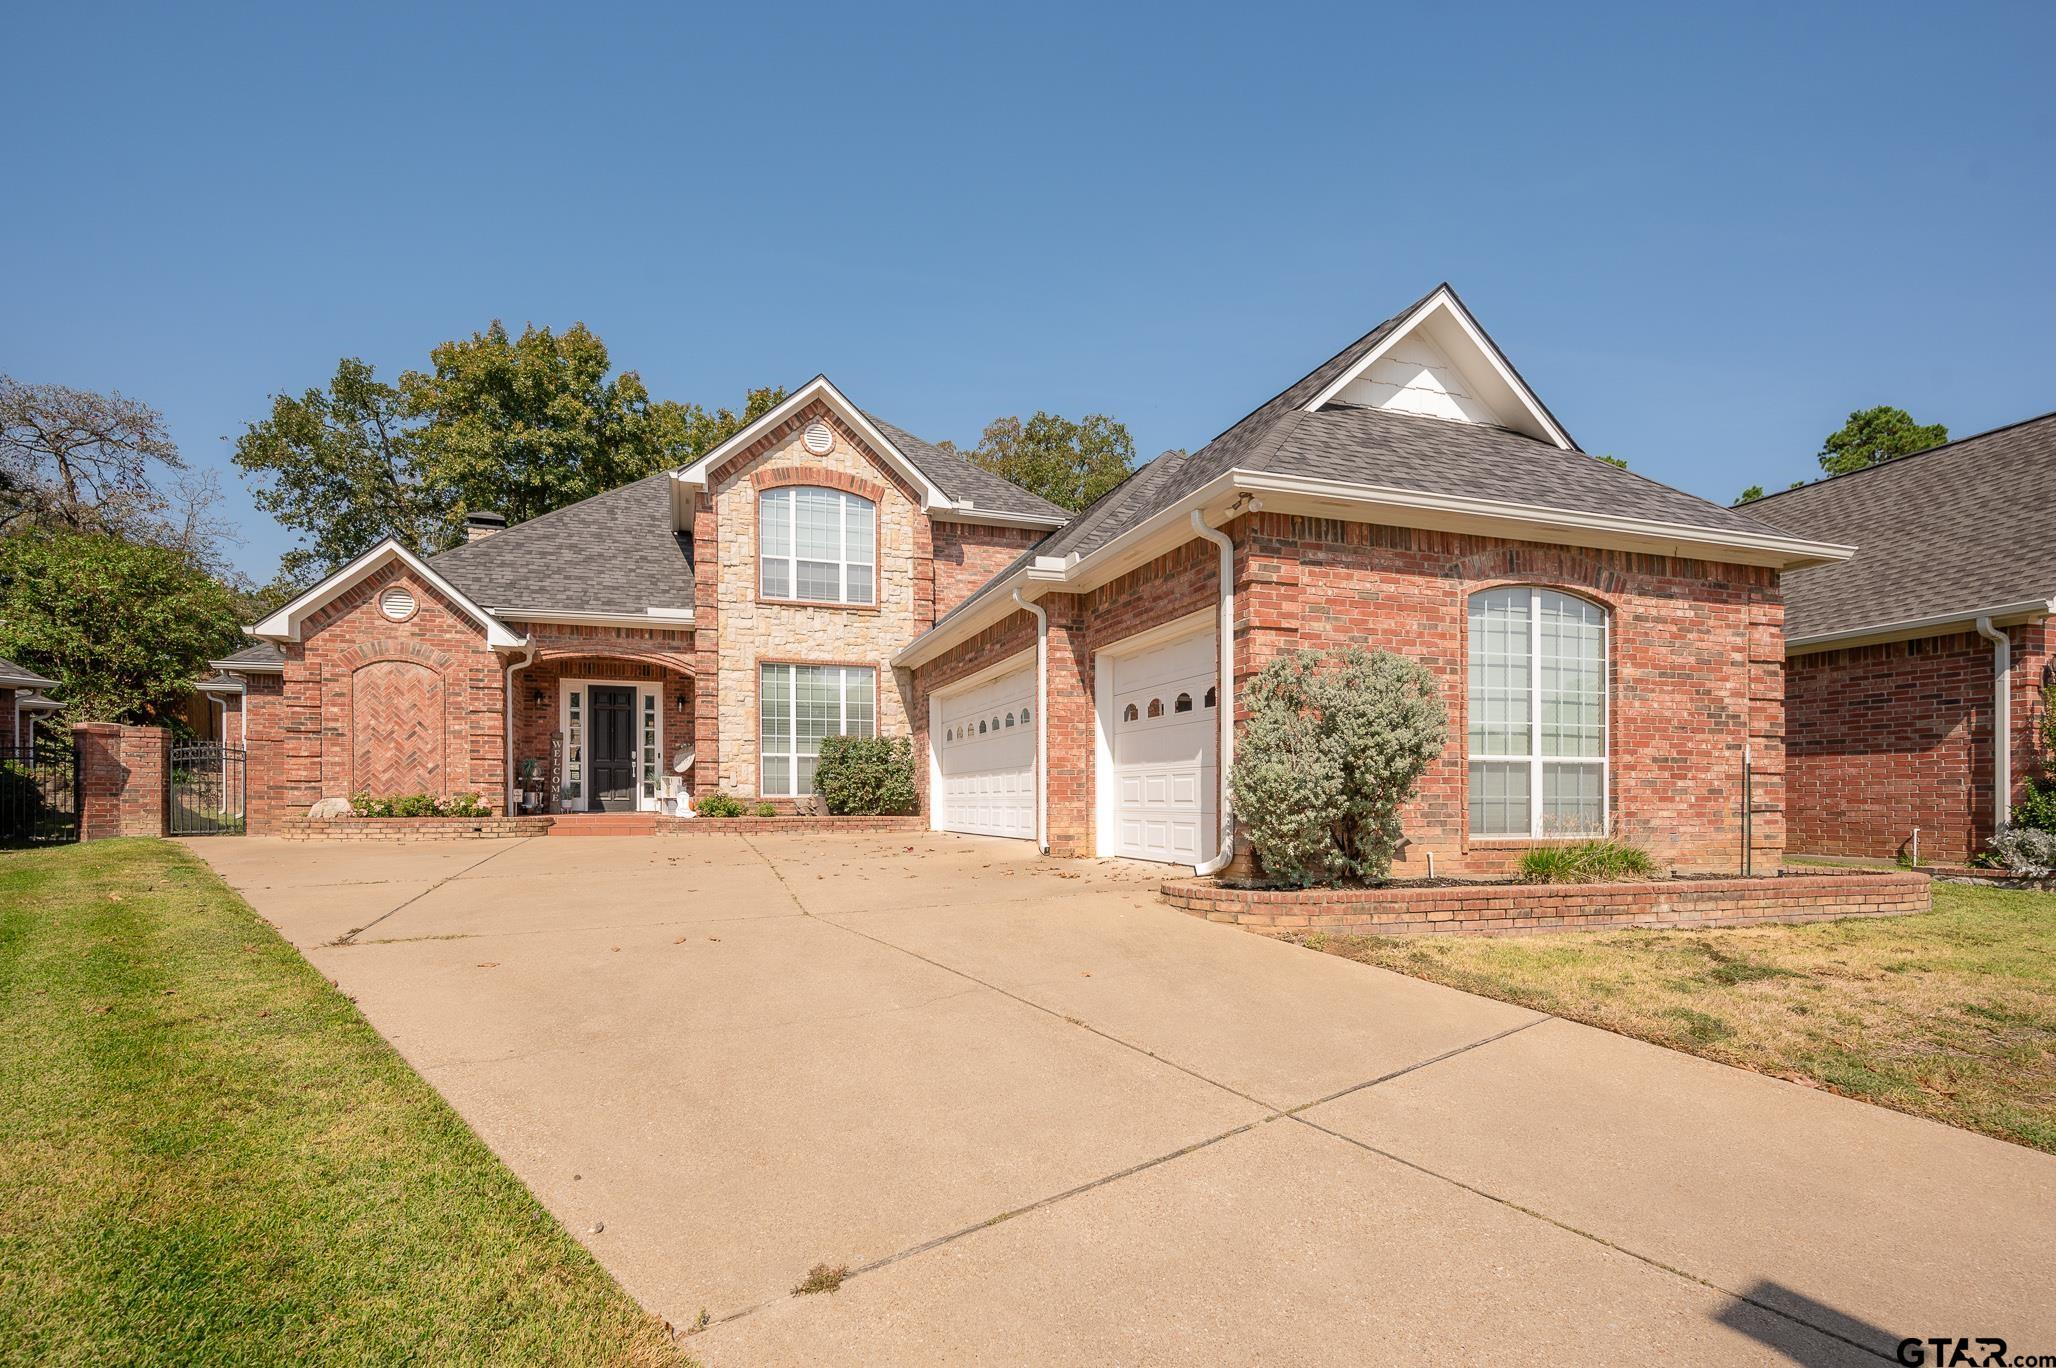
(1953,529)
(13,676)
(960,479)
(1391,449)
(261,656)
(617,552)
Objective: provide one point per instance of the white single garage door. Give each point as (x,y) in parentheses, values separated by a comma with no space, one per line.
(986,737)
(1164,728)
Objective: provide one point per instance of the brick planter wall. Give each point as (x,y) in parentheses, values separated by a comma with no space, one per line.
(1501,909)
(757,826)
(411,828)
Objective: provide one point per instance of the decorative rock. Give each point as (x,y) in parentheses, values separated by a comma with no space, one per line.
(328,808)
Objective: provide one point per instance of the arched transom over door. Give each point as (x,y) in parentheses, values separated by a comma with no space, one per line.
(396,717)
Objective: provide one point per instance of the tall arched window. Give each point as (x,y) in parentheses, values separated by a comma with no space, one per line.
(1538,763)
(817,545)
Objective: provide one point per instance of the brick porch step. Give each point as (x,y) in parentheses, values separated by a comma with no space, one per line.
(605,824)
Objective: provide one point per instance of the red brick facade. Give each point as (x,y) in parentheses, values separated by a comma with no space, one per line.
(1696,674)
(123,779)
(1887,738)
(968,554)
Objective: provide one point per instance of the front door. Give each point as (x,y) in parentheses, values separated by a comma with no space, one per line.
(613,748)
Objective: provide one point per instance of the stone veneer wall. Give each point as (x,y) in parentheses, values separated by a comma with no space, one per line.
(738,629)
(1886,738)
(1696,670)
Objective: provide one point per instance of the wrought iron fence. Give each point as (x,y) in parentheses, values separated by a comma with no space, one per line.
(39,795)
(208,790)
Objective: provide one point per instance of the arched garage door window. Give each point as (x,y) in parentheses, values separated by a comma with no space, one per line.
(1538,697)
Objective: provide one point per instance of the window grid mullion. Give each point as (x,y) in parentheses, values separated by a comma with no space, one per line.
(1535,799)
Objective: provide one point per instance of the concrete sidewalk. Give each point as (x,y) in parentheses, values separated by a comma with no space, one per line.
(1043,1118)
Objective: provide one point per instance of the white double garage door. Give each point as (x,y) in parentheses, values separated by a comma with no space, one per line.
(1158,724)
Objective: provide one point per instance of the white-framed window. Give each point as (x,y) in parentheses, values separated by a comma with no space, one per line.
(1538,698)
(797,705)
(817,545)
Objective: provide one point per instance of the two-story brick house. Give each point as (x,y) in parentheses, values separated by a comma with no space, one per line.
(1611,648)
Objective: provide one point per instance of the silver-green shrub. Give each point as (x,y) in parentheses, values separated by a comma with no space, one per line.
(2027,852)
(1335,745)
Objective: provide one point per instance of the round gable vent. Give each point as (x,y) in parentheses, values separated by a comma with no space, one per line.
(397,603)
(818,438)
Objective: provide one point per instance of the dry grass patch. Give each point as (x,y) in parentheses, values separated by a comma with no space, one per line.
(1949,1014)
(208,1156)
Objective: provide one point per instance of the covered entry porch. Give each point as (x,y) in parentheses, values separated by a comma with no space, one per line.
(602,728)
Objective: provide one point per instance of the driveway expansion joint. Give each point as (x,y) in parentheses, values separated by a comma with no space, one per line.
(350,937)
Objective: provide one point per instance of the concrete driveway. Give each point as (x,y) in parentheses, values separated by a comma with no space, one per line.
(1043,1118)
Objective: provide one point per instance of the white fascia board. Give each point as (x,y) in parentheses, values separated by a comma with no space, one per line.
(972,513)
(1442,300)
(695,476)
(37,703)
(1171,527)
(244,666)
(648,617)
(1456,512)
(284,625)
(216,686)
(1907,629)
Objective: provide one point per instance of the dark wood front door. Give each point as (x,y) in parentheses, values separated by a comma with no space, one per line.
(613,748)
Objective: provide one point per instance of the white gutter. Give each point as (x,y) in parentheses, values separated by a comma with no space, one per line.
(1224,754)
(1374,504)
(648,617)
(2002,721)
(1932,625)
(1041,721)
(514,667)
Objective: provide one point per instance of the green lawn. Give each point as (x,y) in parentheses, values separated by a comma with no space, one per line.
(207,1155)
(1950,1014)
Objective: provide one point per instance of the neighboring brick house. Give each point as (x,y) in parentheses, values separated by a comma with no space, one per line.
(22,702)
(1895,657)
(1610,648)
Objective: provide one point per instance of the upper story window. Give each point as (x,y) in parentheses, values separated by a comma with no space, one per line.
(1538,763)
(817,545)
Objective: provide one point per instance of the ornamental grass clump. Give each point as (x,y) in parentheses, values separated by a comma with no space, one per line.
(1587,862)
(1335,745)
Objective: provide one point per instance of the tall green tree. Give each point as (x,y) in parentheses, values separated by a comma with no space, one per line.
(1069,463)
(1873,436)
(124,626)
(511,425)
(343,467)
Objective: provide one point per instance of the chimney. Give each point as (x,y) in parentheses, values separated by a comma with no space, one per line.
(479,526)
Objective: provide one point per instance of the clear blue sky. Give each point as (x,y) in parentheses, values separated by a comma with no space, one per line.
(1704,239)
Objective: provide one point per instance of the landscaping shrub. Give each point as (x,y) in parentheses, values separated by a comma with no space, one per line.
(2026,852)
(2036,809)
(718,804)
(764,810)
(866,776)
(1587,862)
(419,805)
(1334,746)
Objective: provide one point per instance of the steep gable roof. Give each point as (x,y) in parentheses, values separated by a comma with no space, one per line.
(1404,461)
(950,486)
(1945,535)
(617,552)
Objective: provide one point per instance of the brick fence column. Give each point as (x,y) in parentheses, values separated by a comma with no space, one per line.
(124,775)
(146,787)
(100,779)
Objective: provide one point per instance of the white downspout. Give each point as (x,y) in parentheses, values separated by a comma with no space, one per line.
(1224,754)
(514,667)
(1041,721)
(2002,721)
